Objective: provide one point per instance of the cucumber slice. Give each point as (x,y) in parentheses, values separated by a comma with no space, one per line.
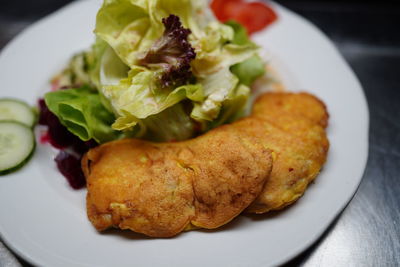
(16,110)
(17,143)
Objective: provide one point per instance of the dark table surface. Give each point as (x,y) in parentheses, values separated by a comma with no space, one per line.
(368,36)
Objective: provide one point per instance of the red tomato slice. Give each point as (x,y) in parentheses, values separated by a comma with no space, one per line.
(255,16)
(224,9)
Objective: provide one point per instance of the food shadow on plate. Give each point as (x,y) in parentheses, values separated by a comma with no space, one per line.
(125,234)
(265,216)
(238,223)
(275,214)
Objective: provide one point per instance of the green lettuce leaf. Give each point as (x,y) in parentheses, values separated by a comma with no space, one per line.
(240,34)
(252,68)
(138,97)
(95,56)
(81,111)
(249,70)
(216,50)
(217,87)
(172,124)
(130,27)
(233,106)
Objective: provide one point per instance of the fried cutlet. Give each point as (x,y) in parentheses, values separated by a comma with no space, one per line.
(293,127)
(161,189)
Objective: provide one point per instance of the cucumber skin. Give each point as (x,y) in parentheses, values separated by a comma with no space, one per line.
(34,111)
(25,161)
(36,114)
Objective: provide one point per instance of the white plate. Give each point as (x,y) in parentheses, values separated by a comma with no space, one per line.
(45,222)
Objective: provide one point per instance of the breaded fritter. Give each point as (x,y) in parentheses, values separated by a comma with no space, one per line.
(293,127)
(161,189)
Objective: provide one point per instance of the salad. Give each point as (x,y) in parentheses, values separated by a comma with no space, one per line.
(158,70)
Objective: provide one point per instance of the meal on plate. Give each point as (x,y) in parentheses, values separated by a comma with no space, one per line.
(157,119)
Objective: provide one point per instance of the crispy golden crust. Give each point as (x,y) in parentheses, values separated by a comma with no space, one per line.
(132,184)
(229,172)
(293,127)
(163,189)
(160,189)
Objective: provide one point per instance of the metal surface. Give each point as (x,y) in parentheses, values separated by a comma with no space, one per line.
(367,233)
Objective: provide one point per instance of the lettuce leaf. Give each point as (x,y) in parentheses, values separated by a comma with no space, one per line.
(248,70)
(218,87)
(81,111)
(138,97)
(240,34)
(173,124)
(95,57)
(131,27)
(233,106)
